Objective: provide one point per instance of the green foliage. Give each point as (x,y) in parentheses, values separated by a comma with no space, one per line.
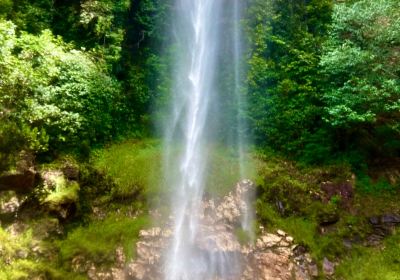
(5,7)
(134,167)
(366,185)
(31,16)
(99,239)
(286,39)
(65,193)
(13,267)
(53,94)
(360,63)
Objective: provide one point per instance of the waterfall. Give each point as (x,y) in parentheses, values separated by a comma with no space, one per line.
(190,130)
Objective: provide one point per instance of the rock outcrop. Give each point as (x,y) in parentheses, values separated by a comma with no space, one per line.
(271,256)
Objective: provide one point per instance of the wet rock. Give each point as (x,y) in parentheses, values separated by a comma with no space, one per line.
(137,271)
(154,232)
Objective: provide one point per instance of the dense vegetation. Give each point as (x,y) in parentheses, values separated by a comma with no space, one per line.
(323,92)
(324,78)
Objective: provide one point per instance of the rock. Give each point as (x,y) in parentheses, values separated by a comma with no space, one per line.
(20,182)
(10,206)
(313,269)
(281,232)
(374,221)
(61,195)
(47,227)
(22,254)
(70,171)
(120,257)
(136,271)
(344,191)
(154,232)
(270,240)
(391,219)
(283,243)
(271,258)
(53,179)
(25,161)
(281,208)
(80,265)
(117,274)
(222,241)
(328,267)
(383,226)
(17,228)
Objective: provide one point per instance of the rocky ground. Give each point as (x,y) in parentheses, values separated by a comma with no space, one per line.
(272,256)
(53,218)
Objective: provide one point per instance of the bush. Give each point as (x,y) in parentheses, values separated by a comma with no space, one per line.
(53,95)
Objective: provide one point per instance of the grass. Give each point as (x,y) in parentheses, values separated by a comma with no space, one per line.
(373,263)
(136,167)
(66,193)
(99,239)
(296,188)
(135,170)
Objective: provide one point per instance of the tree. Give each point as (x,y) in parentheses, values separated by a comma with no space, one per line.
(54,94)
(286,38)
(361,65)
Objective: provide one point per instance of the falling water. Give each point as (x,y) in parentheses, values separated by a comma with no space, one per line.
(192,127)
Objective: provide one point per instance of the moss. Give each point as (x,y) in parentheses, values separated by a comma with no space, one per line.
(15,267)
(133,166)
(63,193)
(99,239)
